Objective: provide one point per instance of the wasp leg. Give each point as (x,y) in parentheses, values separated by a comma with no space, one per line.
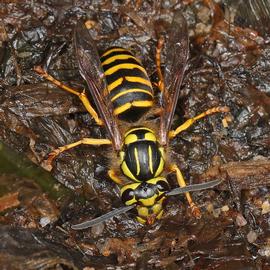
(160,44)
(112,174)
(190,121)
(181,181)
(82,96)
(89,141)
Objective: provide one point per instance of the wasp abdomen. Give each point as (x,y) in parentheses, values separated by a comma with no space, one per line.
(129,87)
(142,157)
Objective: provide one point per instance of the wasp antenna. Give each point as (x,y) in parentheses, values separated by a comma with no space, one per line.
(195,187)
(95,221)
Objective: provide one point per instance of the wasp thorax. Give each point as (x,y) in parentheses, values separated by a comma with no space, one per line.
(142,157)
(148,196)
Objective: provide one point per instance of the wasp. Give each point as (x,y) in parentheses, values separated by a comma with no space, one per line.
(123,93)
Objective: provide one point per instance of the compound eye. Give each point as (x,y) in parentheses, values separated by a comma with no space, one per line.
(128,195)
(163,186)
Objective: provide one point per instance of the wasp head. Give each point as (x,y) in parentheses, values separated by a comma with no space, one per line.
(148,197)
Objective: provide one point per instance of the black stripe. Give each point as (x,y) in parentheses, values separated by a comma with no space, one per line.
(121,61)
(130,97)
(135,72)
(140,133)
(129,85)
(126,52)
(142,148)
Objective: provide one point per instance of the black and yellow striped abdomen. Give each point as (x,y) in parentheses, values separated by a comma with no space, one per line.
(142,157)
(129,87)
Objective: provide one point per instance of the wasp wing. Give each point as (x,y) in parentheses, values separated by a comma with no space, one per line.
(176,53)
(92,72)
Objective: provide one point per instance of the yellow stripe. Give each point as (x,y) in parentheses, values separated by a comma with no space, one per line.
(115,68)
(122,156)
(118,57)
(137,161)
(138,128)
(127,172)
(160,167)
(150,136)
(138,80)
(135,90)
(150,158)
(113,50)
(142,103)
(129,79)
(128,105)
(122,108)
(131,138)
(115,84)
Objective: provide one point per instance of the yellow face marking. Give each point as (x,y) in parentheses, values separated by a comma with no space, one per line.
(142,103)
(135,90)
(115,84)
(143,211)
(113,50)
(137,160)
(138,128)
(132,201)
(127,172)
(118,57)
(150,136)
(157,208)
(150,158)
(131,138)
(139,80)
(132,186)
(141,220)
(149,201)
(159,216)
(115,68)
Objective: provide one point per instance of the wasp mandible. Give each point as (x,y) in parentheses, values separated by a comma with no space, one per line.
(122,92)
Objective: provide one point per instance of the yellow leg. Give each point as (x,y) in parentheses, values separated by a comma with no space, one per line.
(89,141)
(190,121)
(181,182)
(158,63)
(82,96)
(112,174)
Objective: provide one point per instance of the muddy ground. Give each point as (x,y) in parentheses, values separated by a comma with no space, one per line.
(229,65)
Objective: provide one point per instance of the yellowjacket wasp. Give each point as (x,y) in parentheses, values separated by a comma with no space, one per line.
(122,91)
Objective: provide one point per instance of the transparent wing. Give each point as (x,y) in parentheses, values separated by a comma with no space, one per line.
(91,70)
(176,53)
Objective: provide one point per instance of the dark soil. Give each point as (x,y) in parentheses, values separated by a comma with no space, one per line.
(229,65)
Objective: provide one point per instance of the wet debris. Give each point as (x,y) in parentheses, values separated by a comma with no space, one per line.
(229,65)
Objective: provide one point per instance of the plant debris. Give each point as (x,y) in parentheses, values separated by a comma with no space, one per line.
(229,65)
